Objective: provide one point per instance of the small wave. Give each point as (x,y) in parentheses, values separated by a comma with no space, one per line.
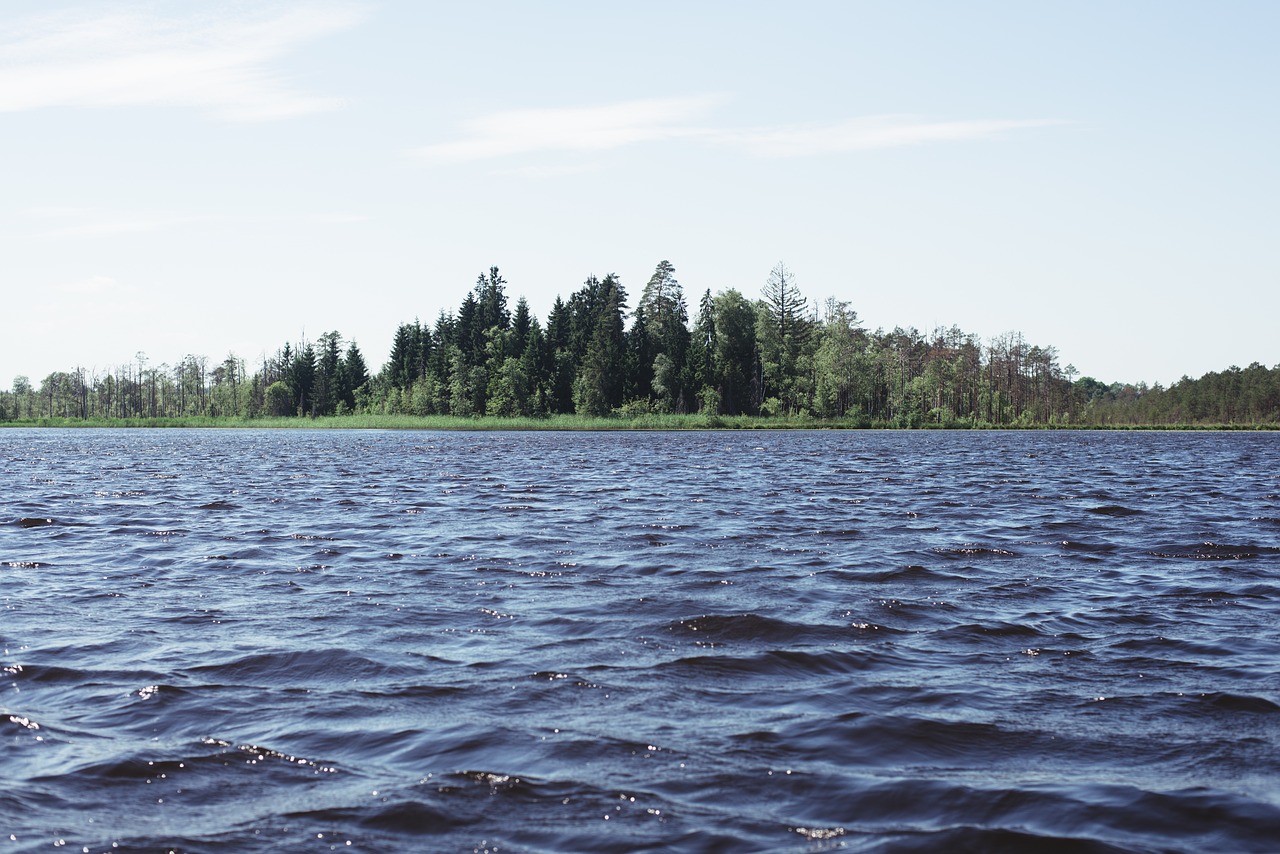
(1088,548)
(913,572)
(987,839)
(1116,510)
(783,663)
(718,629)
(1240,702)
(48,673)
(1215,706)
(737,627)
(299,667)
(415,692)
(214,756)
(974,551)
(982,631)
(404,817)
(1215,551)
(1162,648)
(34,522)
(258,754)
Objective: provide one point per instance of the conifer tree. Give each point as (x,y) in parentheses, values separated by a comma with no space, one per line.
(353,375)
(600,381)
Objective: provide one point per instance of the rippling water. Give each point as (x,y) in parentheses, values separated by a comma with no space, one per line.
(258,640)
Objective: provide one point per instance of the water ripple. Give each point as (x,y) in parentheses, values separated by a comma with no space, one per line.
(889,642)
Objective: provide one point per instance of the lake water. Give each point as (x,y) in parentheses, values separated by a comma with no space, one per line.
(872,641)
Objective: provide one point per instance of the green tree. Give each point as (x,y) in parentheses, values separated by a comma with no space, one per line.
(783,334)
(279,399)
(735,351)
(840,362)
(699,371)
(353,376)
(600,380)
(326,379)
(662,306)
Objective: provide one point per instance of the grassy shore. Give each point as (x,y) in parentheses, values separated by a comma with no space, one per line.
(582,423)
(446,422)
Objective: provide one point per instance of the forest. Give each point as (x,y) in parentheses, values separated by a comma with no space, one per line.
(773,356)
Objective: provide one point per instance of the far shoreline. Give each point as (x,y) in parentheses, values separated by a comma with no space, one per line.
(575,423)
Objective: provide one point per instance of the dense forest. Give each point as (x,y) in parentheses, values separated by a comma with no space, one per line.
(775,355)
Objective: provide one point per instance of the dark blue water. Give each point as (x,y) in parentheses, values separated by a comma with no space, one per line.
(888,642)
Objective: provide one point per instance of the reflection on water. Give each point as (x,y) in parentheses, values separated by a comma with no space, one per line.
(246,640)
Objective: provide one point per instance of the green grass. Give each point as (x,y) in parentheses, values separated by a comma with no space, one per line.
(446,422)
(573,422)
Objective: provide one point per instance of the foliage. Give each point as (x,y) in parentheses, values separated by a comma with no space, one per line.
(774,361)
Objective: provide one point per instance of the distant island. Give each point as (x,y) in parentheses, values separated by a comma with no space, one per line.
(772,361)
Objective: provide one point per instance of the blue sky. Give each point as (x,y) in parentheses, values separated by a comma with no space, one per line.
(204,178)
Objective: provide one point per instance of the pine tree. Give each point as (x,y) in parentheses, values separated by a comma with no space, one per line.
(326,382)
(601,379)
(663,307)
(353,375)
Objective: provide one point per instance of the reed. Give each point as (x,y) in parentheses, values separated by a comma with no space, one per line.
(645,421)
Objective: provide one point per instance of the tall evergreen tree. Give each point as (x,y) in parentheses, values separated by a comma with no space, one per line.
(521,323)
(326,381)
(784,337)
(353,375)
(491,298)
(561,365)
(302,378)
(663,306)
(404,364)
(600,381)
(641,351)
(700,368)
(469,330)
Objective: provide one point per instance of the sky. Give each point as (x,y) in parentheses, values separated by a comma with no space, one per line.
(227,177)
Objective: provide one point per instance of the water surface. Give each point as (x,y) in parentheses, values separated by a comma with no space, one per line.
(258,640)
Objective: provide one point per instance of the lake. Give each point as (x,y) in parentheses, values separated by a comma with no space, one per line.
(225,640)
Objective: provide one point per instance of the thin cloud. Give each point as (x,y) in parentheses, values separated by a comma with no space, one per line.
(93,286)
(74,223)
(592,129)
(107,228)
(69,222)
(549,171)
(336,218)
(865,134)
(222,62)
(575,129)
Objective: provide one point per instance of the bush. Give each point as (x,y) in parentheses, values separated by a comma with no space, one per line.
(279,399)
(633,409)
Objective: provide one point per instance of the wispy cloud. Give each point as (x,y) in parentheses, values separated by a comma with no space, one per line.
(221,59)
(61,223)
(65,222)
(93,287)
(611,126)
(863,134)
(578,129)
(336,218)
(109,227)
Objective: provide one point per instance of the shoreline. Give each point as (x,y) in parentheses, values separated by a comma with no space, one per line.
(574,423)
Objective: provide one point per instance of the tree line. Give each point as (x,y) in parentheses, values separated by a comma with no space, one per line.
(775,355)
